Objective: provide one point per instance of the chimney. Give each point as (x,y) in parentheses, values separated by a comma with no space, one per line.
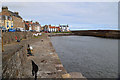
(4,8)
(50,25)
(16,13)
(31,22)
(59,25)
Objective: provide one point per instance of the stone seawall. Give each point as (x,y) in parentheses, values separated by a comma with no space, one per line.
(115,34)
(16,63)
(13,62)
(9,37)
(59,34)
(15,54)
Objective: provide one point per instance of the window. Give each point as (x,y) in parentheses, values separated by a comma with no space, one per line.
(6,17)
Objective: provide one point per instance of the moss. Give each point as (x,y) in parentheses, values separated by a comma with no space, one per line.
(36,36)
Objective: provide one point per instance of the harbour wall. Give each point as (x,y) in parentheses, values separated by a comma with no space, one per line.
(114,34)
(60,34)
(9,37)
(13,61)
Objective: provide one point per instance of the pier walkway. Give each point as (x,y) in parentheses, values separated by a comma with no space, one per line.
(16,63)
(46,58)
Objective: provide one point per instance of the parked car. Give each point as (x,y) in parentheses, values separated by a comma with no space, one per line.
(11,30)
(46,31)
(26,30)
(32,30)
(19,29)
(3,29)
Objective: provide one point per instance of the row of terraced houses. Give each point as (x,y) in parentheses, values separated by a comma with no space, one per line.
(12,20)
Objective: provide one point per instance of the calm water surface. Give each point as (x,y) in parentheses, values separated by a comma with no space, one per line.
(92,56)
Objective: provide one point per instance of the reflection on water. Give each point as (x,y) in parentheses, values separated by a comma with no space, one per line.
(93,57)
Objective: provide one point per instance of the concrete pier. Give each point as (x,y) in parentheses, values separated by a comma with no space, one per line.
(44,56)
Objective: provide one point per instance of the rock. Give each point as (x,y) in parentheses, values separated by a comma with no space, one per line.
(76,75)
(51,53)
(41,40)
(44,61)
(66,76)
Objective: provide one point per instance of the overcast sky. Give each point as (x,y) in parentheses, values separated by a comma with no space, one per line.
(78,15)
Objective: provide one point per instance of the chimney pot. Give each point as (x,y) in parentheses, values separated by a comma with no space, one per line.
(4,8)
(16,13)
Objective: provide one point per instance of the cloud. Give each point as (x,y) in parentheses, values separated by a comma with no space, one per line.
(72,13)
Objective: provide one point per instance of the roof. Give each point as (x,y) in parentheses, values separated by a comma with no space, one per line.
(36,24)
(53,27)
(28,22)
(57,27)
(13,14)
(3,17)
(64,26)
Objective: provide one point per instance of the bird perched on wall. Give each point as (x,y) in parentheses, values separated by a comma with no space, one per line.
(34,69)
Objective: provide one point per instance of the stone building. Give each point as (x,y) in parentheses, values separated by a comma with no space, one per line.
(42,28)
(17,20)
(6,21)
(36,26)
(45,28)
(1,20)
(28,25)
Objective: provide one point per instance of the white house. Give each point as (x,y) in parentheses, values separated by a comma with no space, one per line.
(53,28)
(64,28)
